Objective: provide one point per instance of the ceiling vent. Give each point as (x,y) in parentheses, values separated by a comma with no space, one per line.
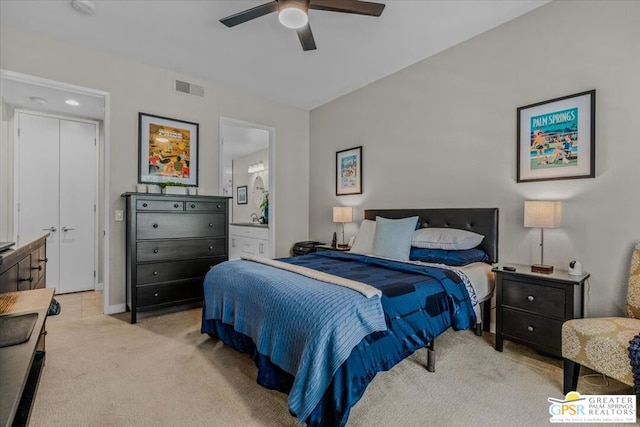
(190,88)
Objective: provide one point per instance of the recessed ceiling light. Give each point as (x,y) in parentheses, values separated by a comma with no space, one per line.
(72,102)
(84,7)
(38,100)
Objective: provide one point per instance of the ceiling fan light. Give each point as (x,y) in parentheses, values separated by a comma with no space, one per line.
(293,17)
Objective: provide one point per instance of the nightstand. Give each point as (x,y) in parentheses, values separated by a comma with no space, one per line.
(531,307)
(331,248)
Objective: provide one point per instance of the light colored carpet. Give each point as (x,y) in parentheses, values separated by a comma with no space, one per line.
(103,371)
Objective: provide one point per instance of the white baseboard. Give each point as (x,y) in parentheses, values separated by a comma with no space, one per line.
(116,308)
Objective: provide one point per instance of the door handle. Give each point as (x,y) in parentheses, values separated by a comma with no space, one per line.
(52,229)
(65,229)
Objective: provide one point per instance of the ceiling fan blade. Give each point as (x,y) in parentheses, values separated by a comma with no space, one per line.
(249,14)
(348,6)
(306,38)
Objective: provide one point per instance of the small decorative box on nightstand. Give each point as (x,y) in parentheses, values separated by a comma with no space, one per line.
(531,307)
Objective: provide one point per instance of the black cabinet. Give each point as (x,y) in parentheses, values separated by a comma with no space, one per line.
(172,242)
(531,307)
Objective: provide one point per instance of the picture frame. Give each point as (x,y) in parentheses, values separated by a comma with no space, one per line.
(241,197)
(349,171)
(168,150)
(556,139)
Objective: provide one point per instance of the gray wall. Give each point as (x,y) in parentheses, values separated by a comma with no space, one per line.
(135,87)
(441,133)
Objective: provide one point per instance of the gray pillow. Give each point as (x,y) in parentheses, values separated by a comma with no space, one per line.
(393,237)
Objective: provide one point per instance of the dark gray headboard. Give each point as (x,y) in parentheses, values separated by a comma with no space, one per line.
(479,220)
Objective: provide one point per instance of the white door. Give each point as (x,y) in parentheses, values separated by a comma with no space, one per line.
(57,192)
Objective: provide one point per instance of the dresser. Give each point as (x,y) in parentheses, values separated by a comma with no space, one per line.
(25,267)
(171,243)
(531,307)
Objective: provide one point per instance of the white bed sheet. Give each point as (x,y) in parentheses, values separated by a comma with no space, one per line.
(481,277)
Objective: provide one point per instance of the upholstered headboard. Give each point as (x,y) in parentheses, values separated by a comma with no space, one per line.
(479,220)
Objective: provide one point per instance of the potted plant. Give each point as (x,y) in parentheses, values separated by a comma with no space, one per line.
(173,188)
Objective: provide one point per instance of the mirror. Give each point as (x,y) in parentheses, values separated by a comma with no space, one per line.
(258,190)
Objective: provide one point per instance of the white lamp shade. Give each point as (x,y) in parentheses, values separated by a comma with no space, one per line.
(542,213)
(342,214)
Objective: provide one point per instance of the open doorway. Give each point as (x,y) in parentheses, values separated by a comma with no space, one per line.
(63,103)
(247,175)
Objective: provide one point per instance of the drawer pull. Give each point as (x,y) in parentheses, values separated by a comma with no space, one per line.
(210,248)
(39,268)
(176,205)
(219,206)
(144,205)
(531,298)
(193,206)
(155,295)
(44,260)
(155,251)
(155,273)
(30,279)
(530,328)
(210,225)
(155,225)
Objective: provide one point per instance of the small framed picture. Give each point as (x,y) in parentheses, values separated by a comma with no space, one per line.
(349,171)
(557,138)
(241,199)
(168,150)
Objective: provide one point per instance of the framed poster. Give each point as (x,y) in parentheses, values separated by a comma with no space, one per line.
(241,198)
(168,150)
(349,171)
(557,138)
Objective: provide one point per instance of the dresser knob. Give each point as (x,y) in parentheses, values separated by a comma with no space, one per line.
(530,328)
(155,225)
(155,251)
(144,205)
(193,206)
(176,205)
(219,206)
(210,248)
(155,273)
(210,225)
(155,295)
(531,298)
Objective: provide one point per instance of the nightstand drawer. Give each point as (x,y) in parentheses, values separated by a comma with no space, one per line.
(538,299)
(533,329)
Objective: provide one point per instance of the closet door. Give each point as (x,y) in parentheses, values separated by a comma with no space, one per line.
(38,186)
(57,193)
(77,206)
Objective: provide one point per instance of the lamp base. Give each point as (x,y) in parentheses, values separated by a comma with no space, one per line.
(544,269)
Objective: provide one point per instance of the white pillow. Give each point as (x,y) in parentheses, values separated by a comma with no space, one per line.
(364,237)
(445,238)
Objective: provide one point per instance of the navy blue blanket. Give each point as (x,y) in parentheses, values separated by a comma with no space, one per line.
(419,302)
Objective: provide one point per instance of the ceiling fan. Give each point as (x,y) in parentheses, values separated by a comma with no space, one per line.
(294,14)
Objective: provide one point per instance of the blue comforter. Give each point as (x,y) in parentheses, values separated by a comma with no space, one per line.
(419,303)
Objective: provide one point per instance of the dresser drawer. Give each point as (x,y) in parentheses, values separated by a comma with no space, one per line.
(174,270)
(175,225)
(543,300)
(180,249)
(149,295)
(533,329)
(159,205)
(206,206)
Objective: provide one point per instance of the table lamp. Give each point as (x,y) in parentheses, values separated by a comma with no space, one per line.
(542,214)
(342,214)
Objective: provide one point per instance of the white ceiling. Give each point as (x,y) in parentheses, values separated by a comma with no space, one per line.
(261,56)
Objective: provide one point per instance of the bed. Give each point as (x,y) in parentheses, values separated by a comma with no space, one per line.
(320,326)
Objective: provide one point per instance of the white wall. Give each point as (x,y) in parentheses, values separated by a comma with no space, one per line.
(441,133)
(135,87)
